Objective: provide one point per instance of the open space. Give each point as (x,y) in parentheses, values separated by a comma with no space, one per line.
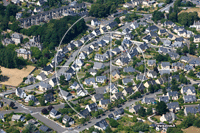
(15,76)
(192,10)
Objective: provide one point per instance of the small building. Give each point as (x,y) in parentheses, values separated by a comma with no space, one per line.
(17,38)
(95,22)
(97,97)
(104,103)
(68,119)
(169,117)
(54,114)
(49,97)
(101,125)
(92,107)
(134,108)
(26,54)
(44,87)
(41,77)
(173,107)
(20,93)
(128,91)
(29,98)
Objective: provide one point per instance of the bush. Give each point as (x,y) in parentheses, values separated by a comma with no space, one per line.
(113,123)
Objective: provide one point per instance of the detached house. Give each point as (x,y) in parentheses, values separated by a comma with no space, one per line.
(165,65)
(188,90)
(152,74)
(189,98)
(68,119)
(196,38)
(92,107)
(128,91)
(134,108)
(150,82)
(101,125)
(44,87)
(95,22)
(54,114)
(30,79)
(162,32)
(65,95)
(24,53)
(115,74)
(169,117)
(47,70)
(16,37)
(101,79)
(85,113)
(112,88)
(20,93)
(99,57)
(151,62)
(173,107)
(41,76)
(104,103)
(148,100)
(98,65)
(164,99)
(122,61)
(173,95)
(97,97)
(117,96)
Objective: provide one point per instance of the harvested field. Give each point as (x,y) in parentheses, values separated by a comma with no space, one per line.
(14,77)
(191,130)
(192,10)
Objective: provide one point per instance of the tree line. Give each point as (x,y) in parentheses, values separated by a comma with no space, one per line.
(102,8)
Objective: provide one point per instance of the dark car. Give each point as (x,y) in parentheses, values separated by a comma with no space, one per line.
(118,106)
(103,114)
(89,121)
(112,110)
(147,93)
(98,117)
(84,124)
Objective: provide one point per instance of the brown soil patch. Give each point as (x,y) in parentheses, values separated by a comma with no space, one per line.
(192,10)
(191,130)
(15,76)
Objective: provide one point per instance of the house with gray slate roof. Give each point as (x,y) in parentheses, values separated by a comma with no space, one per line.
(101,125)
(97,97)
(148,100)
(173,95)
(151,62)
(98,65)
(164,99)
(191,110)
(162,50)
(173,107)
(188,90)
(104,103)
(129,69)
(134,108)
(189,98)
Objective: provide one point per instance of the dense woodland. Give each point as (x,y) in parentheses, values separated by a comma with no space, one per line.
(8,57)
(102,8)
(51,34)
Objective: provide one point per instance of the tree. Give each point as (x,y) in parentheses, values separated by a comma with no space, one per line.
(28,117)
(180,100)
(197,123)
(117,20)
(113,123)
(30,127)
(67,124)
(157,15)
(188,121)
(134,118)
(118,42)
(185,49)
(161,108)
(168,1)
(174,130)
(100,50)
(12,104)
(50,107)
(142,112)
(129,84)
(45,111)
(42,101)
(149,111)
(191,73)
(4,87)
(108,130)
(35,52)
(31,103)
(120,81)
(151,89)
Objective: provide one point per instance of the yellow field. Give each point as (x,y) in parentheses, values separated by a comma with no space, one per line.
(15,76)
(192,130)
(192,10)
